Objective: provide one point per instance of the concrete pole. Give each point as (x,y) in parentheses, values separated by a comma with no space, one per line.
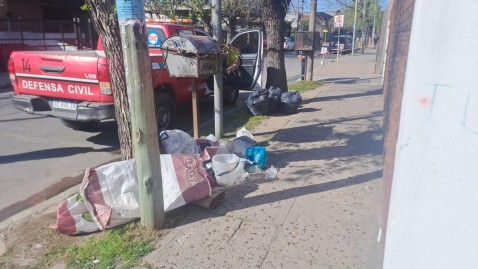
(365,28)
(373,27)
(353,34)
(141,105)
(310,55)
(218,84)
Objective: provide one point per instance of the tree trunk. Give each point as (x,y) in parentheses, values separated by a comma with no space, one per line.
(274,14)
(232,28)
(106,24)
(207,23)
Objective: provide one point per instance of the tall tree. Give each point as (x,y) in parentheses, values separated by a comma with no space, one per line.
(232,12)
(105,21)
(274,12)
(202,10)
(162,7)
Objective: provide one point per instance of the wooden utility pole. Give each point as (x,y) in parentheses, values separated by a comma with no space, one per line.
(310,55)
(141,105)
(218,83)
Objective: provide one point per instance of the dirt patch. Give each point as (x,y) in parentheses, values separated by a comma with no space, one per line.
(27,243)
(30,242)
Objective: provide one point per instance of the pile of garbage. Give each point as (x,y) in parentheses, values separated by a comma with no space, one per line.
(191,169)
(264,102)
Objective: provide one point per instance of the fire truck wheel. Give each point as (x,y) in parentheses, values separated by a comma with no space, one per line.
(165,111)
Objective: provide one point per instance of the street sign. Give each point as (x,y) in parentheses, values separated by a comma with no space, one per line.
(339,21)
(323,50)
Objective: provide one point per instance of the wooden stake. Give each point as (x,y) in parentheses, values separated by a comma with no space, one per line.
(194,89)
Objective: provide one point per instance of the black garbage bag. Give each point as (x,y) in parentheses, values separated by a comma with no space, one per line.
(258,102)
(274,98)
(290,102)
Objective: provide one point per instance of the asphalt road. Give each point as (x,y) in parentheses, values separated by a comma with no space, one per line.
(40,157)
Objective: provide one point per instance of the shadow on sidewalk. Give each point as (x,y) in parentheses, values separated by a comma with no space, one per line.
(351,145)
(340,97)
(351,80)
(294,149)
(237,199)
(50,154)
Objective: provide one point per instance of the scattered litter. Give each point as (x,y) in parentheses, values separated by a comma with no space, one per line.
(177,142)
(254,172)
(228,169)
(240,145)
(244,132)
(212,138)
(290,102)
(202,144)
(271,173)
(109,194)
(258,102)
(258,155)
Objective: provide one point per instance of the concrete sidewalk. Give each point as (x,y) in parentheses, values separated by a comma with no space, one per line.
(323,210)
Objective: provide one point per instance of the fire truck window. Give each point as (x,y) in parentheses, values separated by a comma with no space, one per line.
(183,32)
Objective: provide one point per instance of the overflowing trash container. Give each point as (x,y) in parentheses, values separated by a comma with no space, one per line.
(191,56)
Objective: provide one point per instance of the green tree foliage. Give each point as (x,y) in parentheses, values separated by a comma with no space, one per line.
(162,7)
(201,9)
(232,12)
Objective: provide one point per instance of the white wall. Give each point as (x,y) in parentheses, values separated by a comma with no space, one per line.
(433,217)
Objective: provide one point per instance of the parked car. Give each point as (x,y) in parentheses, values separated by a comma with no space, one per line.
(345,42)
(75,86)
(288,43)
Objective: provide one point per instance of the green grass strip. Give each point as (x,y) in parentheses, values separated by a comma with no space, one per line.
(303,86)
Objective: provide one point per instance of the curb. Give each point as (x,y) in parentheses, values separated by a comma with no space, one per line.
(45,201)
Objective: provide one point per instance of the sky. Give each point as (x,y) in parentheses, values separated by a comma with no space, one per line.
(324,5)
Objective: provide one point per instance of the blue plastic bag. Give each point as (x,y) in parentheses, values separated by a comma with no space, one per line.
(258,155)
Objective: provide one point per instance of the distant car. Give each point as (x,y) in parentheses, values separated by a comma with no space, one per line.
(288,43)
(345,44)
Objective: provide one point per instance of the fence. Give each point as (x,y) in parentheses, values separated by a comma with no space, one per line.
(23,35)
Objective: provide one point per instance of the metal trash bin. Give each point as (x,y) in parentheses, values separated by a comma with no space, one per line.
(191,56)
